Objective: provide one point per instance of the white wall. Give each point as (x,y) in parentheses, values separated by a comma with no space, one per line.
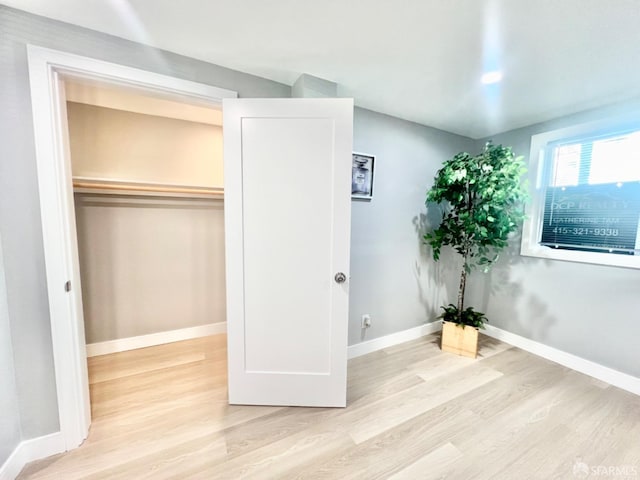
(393,277)
(591,311)
(114,144)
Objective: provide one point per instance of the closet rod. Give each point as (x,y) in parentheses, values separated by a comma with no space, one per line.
(85,185)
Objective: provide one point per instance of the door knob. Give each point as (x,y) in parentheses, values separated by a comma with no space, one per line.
(340,277)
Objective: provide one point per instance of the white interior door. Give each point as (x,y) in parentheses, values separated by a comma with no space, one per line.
(287,165)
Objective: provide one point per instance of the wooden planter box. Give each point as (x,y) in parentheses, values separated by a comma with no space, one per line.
(458,340)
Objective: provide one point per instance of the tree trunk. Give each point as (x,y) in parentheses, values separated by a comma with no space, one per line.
(463,285)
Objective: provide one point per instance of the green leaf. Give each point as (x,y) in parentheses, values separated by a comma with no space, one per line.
(482,199)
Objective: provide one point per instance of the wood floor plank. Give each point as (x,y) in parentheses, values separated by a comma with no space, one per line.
(413,412)
(504,443)
(394,449)
(170,462)
(251,435)
(432,466)
(123,369)
(409,403)
(277,459)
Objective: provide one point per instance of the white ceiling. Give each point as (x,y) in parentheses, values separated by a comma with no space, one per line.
(420,60)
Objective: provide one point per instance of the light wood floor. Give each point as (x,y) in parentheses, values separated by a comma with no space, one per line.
(413,413)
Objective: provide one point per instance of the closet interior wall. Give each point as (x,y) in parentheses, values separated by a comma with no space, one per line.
(151,256)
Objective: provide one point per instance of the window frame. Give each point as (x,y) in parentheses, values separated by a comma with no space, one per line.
(540,166)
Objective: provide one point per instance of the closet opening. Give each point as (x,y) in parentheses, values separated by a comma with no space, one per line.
(147,174)
(49,73)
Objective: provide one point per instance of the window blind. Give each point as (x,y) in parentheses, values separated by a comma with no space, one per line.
(592,199)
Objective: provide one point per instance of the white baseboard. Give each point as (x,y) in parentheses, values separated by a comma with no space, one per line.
(393,339)
(595,370)
(52,444)
(31,450)
(142,341)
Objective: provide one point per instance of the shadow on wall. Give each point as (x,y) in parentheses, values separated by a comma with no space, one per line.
(437,281)
(504,298)
(499,293)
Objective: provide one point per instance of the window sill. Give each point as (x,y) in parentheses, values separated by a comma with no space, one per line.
(538,251)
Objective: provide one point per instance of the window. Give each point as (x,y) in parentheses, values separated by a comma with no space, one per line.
(586,199)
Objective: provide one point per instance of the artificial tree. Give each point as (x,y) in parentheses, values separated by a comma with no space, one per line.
(483,198)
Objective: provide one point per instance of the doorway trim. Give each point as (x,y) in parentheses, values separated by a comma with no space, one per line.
(48,70)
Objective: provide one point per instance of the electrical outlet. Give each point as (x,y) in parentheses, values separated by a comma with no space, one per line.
(366,320)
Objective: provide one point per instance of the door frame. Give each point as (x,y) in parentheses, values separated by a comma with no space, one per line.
(48,69)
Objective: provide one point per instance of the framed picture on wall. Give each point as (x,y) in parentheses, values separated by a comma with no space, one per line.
(362,176)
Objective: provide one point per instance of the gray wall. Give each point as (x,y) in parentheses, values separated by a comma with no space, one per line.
(149,265)
(9,414)
(19,203)
(587,310)
(130,285)
(591,311)
(392,276)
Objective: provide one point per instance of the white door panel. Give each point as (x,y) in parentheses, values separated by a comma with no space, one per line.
(287,211)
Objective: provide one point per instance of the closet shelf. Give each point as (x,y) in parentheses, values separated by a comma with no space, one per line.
(122,187)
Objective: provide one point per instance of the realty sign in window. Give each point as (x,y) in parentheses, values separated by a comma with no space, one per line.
(586,203)
(601,218)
